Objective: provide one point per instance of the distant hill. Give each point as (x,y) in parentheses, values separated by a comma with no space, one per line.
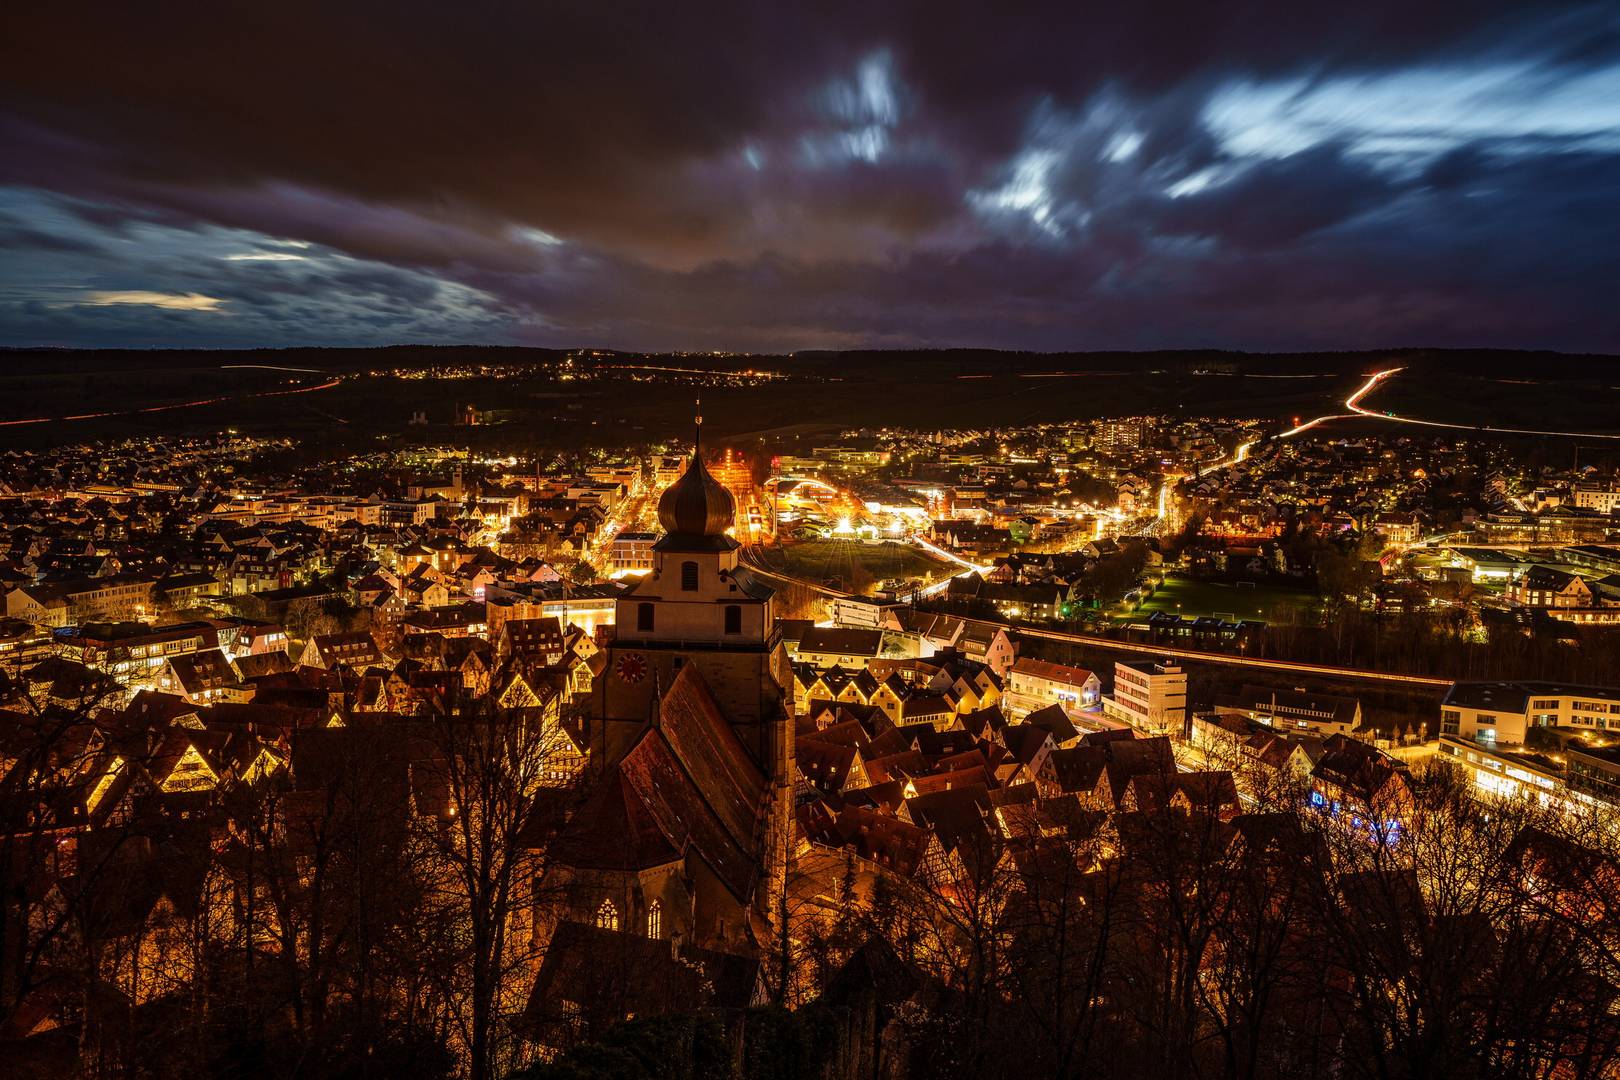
(891,363)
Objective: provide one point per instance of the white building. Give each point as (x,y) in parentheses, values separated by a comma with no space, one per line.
(631,553)
(1504,712)
(1034,684)
(1151,697)
(1607,502)
(867,613)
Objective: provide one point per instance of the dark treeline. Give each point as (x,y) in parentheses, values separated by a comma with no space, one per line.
(335,901)
(1448,939)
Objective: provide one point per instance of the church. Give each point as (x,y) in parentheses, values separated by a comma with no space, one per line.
(688,828)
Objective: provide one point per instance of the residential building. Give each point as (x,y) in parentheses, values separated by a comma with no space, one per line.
(1034,684)
(1295,710)
(1544,587)
(1603,500)
(829,646)
(1505,712)
(631,553)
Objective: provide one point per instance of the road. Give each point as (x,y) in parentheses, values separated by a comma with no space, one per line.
(1353,403)
(272,367)
(1240,454)
(176,405)
(748,557)
(1355,409)
(628,514)
(1290,666)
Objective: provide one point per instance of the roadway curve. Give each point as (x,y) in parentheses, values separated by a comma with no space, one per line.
(1353,403)
(1355,410)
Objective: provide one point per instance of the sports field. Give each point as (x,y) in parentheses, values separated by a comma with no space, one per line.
(1271,603)
(852,564)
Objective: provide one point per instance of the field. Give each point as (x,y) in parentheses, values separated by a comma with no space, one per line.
(1186,596)
(853,565)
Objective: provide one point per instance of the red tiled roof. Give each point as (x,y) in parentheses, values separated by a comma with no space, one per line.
(1042,669)
(687,785)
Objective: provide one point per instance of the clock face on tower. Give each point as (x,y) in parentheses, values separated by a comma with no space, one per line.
(631,668)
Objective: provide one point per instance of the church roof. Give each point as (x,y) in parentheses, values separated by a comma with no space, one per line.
(615,831)
(688,785)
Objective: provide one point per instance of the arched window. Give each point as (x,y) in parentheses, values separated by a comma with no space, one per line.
(655,920)
(607,916)
(733,619)
(644,617)
(689,577)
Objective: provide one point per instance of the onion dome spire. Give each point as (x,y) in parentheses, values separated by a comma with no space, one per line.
(697,505)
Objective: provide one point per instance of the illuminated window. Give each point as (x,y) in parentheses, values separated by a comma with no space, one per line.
(607,916)
(655,920)
(733,619)
(644,617)
(689,580)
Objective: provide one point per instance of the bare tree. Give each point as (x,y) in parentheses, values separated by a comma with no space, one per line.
(489,769)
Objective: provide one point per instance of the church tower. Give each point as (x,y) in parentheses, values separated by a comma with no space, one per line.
(698,606)
(691,732)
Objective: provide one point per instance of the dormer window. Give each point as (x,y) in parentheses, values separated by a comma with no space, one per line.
(689,577)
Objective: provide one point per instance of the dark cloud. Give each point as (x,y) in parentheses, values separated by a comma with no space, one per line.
(771,176)
(1273,203)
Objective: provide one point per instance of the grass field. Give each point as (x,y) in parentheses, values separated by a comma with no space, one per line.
(853,564)
(1185,596)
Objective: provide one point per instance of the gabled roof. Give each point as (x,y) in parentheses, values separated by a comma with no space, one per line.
(605,975)
(1042,669)
(823,764)
(615,831)
(256,664)
(1055,721)
(956,816)
(844,641)
(689,781)
(202,671)
(1078,768)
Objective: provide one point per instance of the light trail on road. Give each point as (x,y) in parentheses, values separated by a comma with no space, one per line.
(272,367)
(1217,658)
(1356,410)
(1293,667)
(173,405)
(1353,403)
(1238,455)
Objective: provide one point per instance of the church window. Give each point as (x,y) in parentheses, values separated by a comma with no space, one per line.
(689,577)
(655,920)
(644,617)
(607,916)
(733,619)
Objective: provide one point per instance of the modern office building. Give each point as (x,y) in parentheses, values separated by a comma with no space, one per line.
(1149,696)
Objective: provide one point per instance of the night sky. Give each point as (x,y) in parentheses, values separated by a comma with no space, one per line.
(1069,176)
